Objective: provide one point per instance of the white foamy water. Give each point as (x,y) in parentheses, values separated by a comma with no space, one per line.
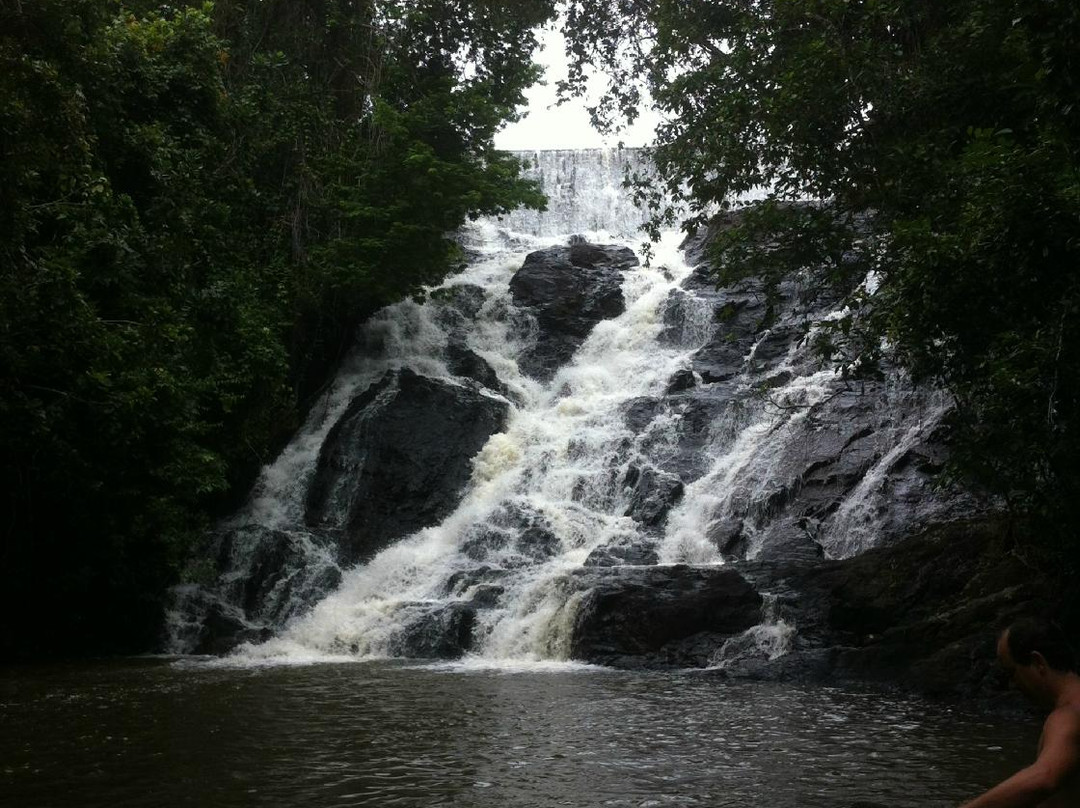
(553,461)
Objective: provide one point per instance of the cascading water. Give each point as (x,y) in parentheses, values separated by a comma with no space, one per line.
(641,450)
(584,195)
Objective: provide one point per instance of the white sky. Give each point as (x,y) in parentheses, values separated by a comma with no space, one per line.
(567,127)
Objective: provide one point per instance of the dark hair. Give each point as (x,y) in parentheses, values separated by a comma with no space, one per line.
(1029,635)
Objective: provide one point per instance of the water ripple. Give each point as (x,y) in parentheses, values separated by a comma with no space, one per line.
(392,734)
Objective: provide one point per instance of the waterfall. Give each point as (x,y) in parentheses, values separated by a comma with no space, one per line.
(585,191)
(672,436)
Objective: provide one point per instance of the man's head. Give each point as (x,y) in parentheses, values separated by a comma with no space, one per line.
(1036,655)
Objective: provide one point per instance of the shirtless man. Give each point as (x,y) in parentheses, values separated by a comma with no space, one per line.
(1038,660)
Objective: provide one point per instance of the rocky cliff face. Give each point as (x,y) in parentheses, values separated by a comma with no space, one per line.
(684,485)
(917,603)
(852,464)
(922,613)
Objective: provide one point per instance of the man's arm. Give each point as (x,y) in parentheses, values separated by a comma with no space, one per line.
(1059,758)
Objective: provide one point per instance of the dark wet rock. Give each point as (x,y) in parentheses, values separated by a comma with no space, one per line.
(223,629)
(204,623)
(681,380)
(266,554)
(675,315)
(839,459)
(532,535)
(687,320)
(695,246)
(923,613)
(538,542)
(484,576)
(484,596)
(623,553)
(660,616)
(701,413)
(481,541)
(639,412)
(729,536)
(464,362)
(788,542)
(840,441)
(265,577)
(778,379)
(685,424)
(910,496)
(398,460)
(774,346)
(570,297)
(596,256)
(284,579)
(442,632)
(599,492)
(739,323)
(466,298)
(456,306)
(652,494)
(514,534)
(569,290)
(752,331)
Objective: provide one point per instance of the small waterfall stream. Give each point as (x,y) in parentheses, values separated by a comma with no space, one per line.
(639,452)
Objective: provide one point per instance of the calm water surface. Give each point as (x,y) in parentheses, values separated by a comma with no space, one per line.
(154,733)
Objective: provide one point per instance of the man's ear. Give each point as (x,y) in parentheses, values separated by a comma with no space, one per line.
(1038,661)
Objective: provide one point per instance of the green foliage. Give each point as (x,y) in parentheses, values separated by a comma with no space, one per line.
(939,142)
(198,202)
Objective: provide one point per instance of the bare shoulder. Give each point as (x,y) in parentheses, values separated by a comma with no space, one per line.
(1061,731)
(1064,720)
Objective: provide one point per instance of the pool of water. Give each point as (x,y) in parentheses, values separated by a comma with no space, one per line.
(169,733)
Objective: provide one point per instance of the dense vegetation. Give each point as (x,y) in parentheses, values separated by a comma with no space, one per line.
(942,142)
(197,204)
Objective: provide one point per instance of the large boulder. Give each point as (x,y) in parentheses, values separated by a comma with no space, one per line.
(696,245)
(434,632)
(674,616)
(399,459)
(569,290)
(923,613)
